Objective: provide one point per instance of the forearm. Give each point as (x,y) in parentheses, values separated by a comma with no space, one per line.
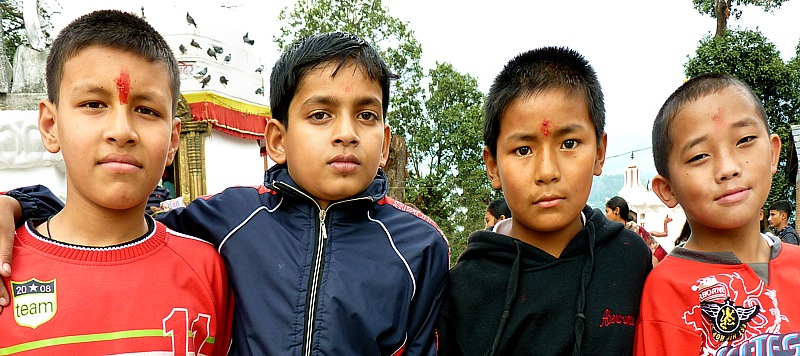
(36,201)
(8,203)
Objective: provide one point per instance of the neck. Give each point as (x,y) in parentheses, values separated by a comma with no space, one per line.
(551,242)
(95,227)
(782,225)
(745,242)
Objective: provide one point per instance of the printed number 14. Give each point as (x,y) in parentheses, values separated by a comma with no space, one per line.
(176,324)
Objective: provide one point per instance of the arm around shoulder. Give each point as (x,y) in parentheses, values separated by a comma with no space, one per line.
(212,217)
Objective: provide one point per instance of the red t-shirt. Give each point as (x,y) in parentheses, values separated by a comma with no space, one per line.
(163,292)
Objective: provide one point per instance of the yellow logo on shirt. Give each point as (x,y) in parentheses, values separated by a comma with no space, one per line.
(34,302)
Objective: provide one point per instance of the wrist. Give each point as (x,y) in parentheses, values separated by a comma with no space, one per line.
(8,203)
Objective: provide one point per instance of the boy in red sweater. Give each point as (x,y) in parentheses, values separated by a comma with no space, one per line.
(730,289)
(101,277)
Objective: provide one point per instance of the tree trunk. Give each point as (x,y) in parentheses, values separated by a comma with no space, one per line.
(396,168)
(722,10)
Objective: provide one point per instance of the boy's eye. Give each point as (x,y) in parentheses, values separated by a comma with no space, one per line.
(368,115)
(93,105)
(318,115)
(523,151)
(147,111)
(569,144)
(697,157)
(746,140)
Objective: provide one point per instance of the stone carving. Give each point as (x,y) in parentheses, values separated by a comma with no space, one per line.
(30,77)
(21,145)
(33,29)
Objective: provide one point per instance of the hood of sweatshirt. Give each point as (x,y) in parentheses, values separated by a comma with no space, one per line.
(522,258)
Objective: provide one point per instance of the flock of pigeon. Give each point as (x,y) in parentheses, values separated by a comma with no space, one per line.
(202,76)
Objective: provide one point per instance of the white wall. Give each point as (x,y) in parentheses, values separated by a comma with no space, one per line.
(23,159)
(232,161)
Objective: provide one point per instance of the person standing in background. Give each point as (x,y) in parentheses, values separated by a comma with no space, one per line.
(778,219)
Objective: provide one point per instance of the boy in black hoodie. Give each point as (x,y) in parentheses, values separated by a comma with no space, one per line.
(558,278)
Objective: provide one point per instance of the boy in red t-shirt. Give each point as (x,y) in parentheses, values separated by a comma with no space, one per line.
(730,289)
(101,277)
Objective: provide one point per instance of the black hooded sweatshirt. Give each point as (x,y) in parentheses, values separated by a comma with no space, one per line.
(506,297)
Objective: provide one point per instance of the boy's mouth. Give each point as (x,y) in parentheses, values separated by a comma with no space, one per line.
(733,195)
(120,163)
(344,163)
(548,201)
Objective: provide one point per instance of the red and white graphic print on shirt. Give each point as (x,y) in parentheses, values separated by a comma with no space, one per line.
(731,313)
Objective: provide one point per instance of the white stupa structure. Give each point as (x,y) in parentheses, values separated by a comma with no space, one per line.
(224,108)
(650,211)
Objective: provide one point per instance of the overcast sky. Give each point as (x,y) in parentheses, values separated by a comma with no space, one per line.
(637,47)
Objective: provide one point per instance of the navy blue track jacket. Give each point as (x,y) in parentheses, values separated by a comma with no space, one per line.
(363,277)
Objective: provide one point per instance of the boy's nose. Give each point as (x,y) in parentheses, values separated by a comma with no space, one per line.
(345,131)
(120,129)
(546,170)
(728,167)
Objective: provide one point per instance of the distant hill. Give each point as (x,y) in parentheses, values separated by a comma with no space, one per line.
(603,188)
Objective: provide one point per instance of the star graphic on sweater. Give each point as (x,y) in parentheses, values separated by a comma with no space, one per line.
(33,287)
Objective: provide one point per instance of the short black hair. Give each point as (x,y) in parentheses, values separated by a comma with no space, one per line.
(783,206)
(534,72)
(694,89)
(113,29)
(499,207)
(337,48)
(619,202)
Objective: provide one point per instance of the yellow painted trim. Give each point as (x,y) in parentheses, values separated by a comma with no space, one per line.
(225,101)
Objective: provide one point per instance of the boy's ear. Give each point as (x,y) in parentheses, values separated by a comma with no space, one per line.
(600,155)
(387,140)
(174,140)
(274,134)
(775,145)
(47,126)
(663,188)
(491,169)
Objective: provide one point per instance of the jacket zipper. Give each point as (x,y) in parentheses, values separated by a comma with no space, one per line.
(319,263)
(311,309)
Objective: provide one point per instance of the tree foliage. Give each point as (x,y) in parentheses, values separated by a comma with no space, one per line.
(447,178)
(751,57)
(13,26)
(724,9)
(442,127)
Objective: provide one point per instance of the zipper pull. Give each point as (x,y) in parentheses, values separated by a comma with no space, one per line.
(322,229)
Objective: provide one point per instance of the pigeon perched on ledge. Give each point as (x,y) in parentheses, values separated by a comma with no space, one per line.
(246,39)
(190,20)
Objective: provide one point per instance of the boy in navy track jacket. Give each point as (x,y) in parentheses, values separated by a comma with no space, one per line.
(321,261)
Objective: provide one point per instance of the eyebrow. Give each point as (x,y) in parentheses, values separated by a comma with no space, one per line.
(148,96)
(102,90)
(89,88)
(329,100)
(743,122)
(559,131)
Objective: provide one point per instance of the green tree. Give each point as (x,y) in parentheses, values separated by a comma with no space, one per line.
(751,57)
(445,176)
(723,9)
(447,179)
(13,29)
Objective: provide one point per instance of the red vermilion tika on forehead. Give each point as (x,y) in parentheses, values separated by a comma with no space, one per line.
(123,85)
(348,88)
(718,118)
(545,127)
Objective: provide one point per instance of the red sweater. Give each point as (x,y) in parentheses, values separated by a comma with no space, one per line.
(698,303)
(163,292)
